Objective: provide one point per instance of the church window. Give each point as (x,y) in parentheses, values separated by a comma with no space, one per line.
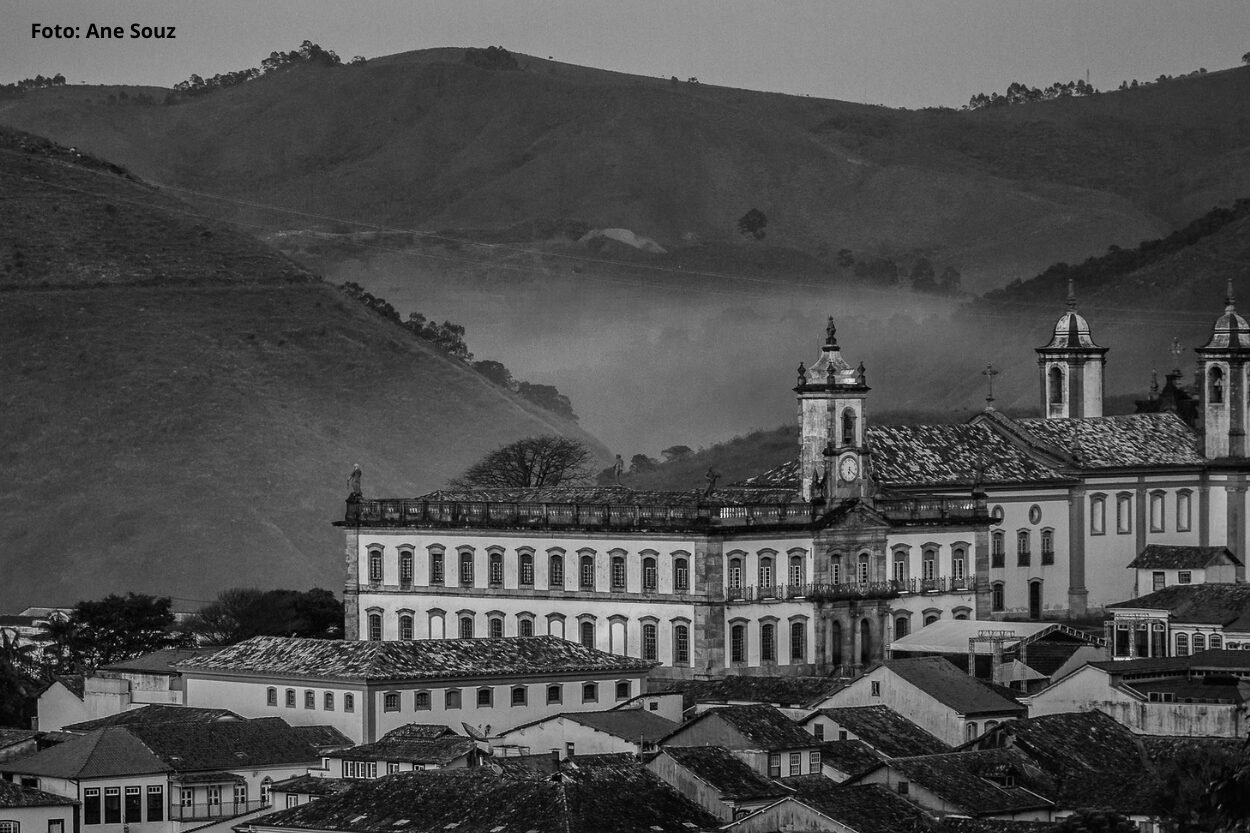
(650,574)
(1183,503)
(1055,377)
(901,567)
(848,427)
(1200,642)
(798,571)
(436,566)
(997,548)
(798,641)
(861,568)
(587,634)
(405,568)
(290,698)
(768,642)
(524,626)
(738,643)
(996,596)
(1023,548)
(618,572)
(375,566)
(525,573)
(902,626)
(327,701)
(1124,513)
(1097,514)
(587,573)
(349,703)
(835,569)
(1216,376)
(766,571)
(375,627)
(1156,511)
(466,568)
(681,575)
(405,626)
(496,568)
(466,627)
(735,573)
(555,572)
(959,560)
(1048,546)
(929,564)
(681,644)
(495,624)
(650,648)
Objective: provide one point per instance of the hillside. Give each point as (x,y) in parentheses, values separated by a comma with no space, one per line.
(426,141)
(180,405)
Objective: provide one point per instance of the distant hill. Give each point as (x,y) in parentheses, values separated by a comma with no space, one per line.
(424,140)
(180,405)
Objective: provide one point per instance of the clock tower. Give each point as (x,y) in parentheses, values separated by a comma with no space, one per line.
(832,450)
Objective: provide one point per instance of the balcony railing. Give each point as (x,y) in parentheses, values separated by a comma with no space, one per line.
(929,510)
(220,810)
(850,590)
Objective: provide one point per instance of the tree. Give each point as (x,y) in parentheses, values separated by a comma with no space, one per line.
(676,452)
(1245,59)
(243,612)
(641,463)
(753,223)
(922,279)
(949,282)
(121,627)
(548,397)
(496,372)
(547,460)
(1095,821)
(19,684)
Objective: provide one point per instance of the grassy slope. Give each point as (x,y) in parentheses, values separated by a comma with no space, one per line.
(194,432)
(422,140)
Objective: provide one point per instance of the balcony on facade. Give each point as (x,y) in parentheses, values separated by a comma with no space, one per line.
(223,809)
(850,590)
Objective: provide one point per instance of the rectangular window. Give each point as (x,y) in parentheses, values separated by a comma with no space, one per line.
(271,697)
(485,697)
(375,567)
(519,695)
(436,567)
(1048,546)
(618,573)
(1183,577)
(112,805)
(796,763)
(1023,548)
(1182,511)
(1097,515)
(1158,580)
(349,702)
(1156,512)
(213,795)
(134,805)
(310,699)
(774,764)
(186,797)
(328,701)
(405,568)
(1124,514)
(590,693)
(422,701)
(290,698)
(91,805)
(957,565)
(527,570)
(240,794)
(292,800)
(466,569)
(930,567)
(876,688)
(554,694)
(156,803)
(819,730)
(681,576)
(56,825)
(997,549)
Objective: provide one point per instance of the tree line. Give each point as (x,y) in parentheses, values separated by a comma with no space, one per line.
(308,54)
(448,338)
(1017,93)
(19,88)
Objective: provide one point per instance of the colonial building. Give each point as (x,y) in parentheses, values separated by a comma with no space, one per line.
(871,533)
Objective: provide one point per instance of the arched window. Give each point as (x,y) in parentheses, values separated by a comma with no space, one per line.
(1182,510)
(496,568)
(437,624)
(1124,513)
(520,695)
(390,701)
(586,574)
(266,785)
(485,697)
(1157,520)
(861,569)
(973,734)
(555,694)
(650,650)
(996,596)
(495,624)
(902,568)
(902,626)
(959,563)
(555,572)
(1200,642)
(1217,642)
(1024,553)
(525,627)
(990,724)
(1216,375)
(1097,514)
(590,692)
(375,566)
(405,626)
(349,702)
(681,575)
(835,568)
(798,641)
(681,644)
(405,568)
(421,701)
(1048,546)
(525,569)
(768,642)
(848,427)
(798,571)
(1055,383)
(998,548)
(738,643)
(290,698)
(466,568)
(735,573)
(929,619)
(466,627)
(618,572)
(766,571)
(587,632)
(271,696)
(928,564)
(865,642)
(375,627)
(650,575)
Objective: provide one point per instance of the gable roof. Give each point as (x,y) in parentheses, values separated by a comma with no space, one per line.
(629,724)
(1124,441)
(154,714)
(1167,557)
(265,741)
(12,737)
(951,686)
(512,656)
(885,730)
(313,785)
(724,772)
(963,779)
(850,757)
(1204,604)
(864,808)
(102,753)
(795,692)
(323,738)
(157,662)
(1213,660)
(14,795)
(763,726)
(622,798)
(416,743)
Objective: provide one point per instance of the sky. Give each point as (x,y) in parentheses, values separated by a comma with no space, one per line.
(900,53)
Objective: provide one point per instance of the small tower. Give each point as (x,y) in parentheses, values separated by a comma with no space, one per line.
(1222,376)
(832,450)
(1071,367)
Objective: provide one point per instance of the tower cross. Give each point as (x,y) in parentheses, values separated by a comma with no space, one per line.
(989,373)
(1176,351)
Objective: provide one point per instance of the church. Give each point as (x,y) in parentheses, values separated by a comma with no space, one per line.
(872,532)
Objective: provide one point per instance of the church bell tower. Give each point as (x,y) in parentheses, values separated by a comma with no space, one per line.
(1222,364)
(833,453)
(1071,367)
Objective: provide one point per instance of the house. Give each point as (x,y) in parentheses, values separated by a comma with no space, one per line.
(760,736)
(301,789)
(35,811)
(415,746)
(1020,655)
(1179,620)
(161,777)
(152,678)
(666,704)
(609,798)
(934,694)
(62,701)
(998,783)
(589,733)
(17,743)
(819,804)
(324,739)
(879,727)
(842,760)
(793,695)
(1159,566)
(145,715)
(366,689)
(715,779)
(1203,695)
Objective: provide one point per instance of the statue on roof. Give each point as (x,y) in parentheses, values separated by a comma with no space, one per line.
(353,482)
(831,334)
(711,477)
(618,468)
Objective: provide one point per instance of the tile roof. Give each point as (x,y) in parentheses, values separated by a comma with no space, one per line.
(724,772)
(266,741)
(597,799)
(864,808)
(935,455)
(1164,557)
(964,779)
(324,738)
(951,686)
(313,785)
(14,795)
(1204,604)
(157,662)
(277,656)
(794,692)
(763,726)
(154,714)
(954,824)
(76,683)
(885,730)
(418,750)
(1215,660)
(11,737)
(628,724)
(102,753)
(850,757)
(1124,441)
(615,495)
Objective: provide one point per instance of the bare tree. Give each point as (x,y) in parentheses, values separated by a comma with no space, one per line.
(547,460)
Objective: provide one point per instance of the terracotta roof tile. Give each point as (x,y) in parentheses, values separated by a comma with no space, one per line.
(1209,604)
(762,726)
(1130,440)
(864,808)
(1165,557)
(14,795)
(966,780)
(724,772)
(155,714)
(952,687)
(886,731)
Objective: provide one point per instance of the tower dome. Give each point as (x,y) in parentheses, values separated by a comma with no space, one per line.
(1231,332)
(1071,367)
(1223,363)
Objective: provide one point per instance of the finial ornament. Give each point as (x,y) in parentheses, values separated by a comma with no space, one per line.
(1176,351)
(1228,297)
(1154,383)
(802,374)
(989,373)
(831,334)
(1071,293)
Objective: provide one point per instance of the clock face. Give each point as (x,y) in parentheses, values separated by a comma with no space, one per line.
(848,469)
